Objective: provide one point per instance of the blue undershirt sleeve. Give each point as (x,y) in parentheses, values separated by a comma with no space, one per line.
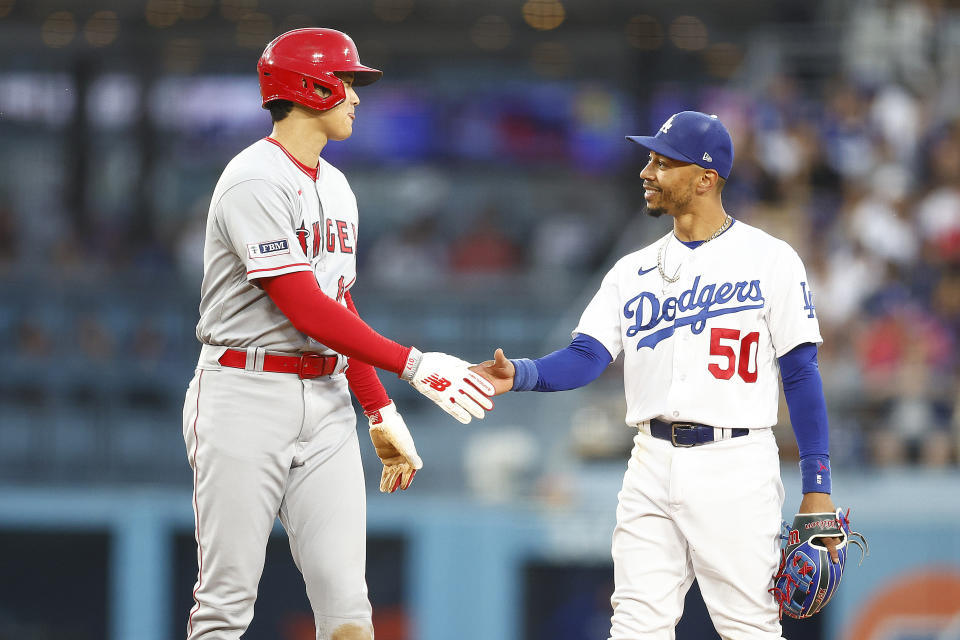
(803,389)
(579,364)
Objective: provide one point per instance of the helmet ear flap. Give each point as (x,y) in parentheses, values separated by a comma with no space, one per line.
(318,89)
(281,84)
(326,88)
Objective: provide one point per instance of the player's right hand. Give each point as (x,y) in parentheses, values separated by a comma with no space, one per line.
(448,381)
(499,372)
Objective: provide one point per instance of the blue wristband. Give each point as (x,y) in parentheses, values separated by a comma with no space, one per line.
(815,474)
(526,375)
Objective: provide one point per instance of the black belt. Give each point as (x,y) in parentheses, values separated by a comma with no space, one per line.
(687,434)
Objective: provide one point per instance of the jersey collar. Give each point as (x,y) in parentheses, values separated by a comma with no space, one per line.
(310,171)
(693,244)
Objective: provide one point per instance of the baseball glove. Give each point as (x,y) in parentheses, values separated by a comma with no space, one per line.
(807,578)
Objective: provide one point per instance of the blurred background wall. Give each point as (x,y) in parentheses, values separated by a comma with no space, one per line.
(495,189)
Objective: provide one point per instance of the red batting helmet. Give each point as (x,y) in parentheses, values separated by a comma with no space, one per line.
(298,59)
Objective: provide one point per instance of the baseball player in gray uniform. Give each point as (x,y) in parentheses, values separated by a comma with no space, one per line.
(709,318)
(268,422)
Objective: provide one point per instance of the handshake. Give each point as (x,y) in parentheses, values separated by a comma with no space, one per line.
(459,388)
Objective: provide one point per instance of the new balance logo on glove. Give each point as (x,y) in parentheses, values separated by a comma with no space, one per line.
(436,382)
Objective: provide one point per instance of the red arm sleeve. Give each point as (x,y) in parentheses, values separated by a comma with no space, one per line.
(364,383)
(312,312)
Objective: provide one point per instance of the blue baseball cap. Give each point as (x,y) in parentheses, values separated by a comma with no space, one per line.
(693,137)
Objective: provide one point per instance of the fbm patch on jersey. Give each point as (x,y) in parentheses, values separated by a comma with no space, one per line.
(267,249)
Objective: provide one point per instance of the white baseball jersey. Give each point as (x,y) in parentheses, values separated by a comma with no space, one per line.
(704,348)
(268,216)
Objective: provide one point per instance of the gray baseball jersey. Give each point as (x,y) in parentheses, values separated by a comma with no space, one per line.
(263,444)
(269,217)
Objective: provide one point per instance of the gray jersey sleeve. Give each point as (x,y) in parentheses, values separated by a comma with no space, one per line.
(256,220)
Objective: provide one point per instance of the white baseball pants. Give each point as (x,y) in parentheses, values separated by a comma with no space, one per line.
(269,444)
(711,512)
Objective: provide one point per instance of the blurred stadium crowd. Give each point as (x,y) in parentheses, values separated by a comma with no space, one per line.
(498,228)
(864,178)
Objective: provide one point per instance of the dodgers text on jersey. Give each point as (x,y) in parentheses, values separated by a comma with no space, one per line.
(648,311)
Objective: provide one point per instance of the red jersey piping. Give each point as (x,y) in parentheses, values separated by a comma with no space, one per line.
(311,172)
(295,264)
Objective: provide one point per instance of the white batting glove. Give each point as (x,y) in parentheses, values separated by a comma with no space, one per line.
(448,381)
(395,448)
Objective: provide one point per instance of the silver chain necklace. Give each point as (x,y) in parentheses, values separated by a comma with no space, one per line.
(663,249)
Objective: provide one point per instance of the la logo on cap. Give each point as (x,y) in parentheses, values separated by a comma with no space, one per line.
(669,123)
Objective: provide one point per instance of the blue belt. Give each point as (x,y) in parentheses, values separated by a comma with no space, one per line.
(687,434)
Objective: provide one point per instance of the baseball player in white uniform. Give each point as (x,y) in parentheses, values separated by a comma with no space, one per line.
(268,422)
(708,318)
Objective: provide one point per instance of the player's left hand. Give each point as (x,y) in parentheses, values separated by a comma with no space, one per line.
(395,448)
(808,575)
(821,503)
